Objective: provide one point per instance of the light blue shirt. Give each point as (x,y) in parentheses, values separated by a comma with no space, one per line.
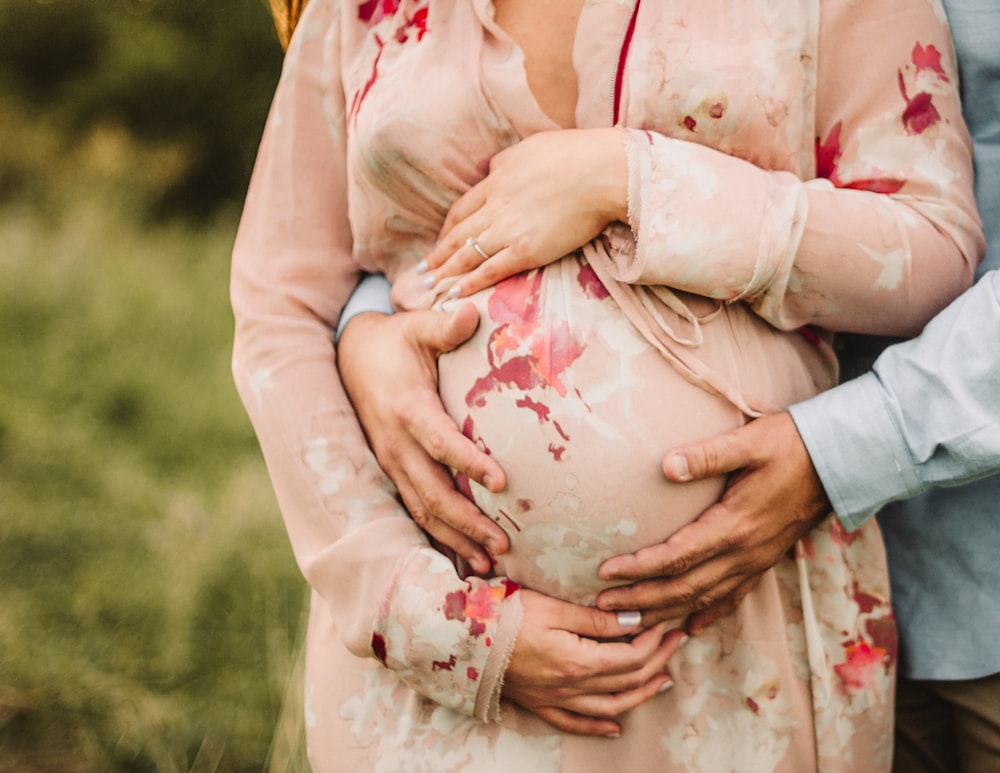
(930,414)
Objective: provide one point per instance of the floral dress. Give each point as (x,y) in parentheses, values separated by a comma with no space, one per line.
(794,167)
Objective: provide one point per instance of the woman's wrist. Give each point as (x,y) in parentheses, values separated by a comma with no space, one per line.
(611,169)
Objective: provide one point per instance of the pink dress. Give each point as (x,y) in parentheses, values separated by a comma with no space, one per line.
(791,164)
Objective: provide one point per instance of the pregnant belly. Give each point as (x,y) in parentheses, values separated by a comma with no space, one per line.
(578,409)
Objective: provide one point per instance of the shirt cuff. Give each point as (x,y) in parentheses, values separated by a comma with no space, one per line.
(857,449)
(371,294)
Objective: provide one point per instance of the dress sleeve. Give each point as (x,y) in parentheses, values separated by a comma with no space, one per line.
(884,236)
(927,415)
(392,596)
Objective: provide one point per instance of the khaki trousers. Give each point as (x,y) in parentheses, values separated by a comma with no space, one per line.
(948,727)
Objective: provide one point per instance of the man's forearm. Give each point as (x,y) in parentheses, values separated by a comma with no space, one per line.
(927,415)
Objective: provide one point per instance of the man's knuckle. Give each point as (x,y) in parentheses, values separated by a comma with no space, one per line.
(433,499)
(420,516)
(389,449)
(733,539)
(571,670)
(685,593)
(677,565)
(436,445)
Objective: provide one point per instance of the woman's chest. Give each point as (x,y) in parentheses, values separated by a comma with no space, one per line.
(435,89)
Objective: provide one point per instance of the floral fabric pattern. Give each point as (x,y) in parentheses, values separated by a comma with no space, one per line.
(778,178)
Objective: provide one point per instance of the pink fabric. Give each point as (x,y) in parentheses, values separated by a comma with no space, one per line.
(386,113)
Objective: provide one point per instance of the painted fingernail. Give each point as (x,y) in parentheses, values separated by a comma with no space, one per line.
(666,685)
(679,465)
(613,735)
(684,640)
(429,281)
(629,619)
(455,291)
(422,267)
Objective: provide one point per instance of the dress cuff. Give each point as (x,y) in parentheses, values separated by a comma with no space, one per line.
(491,685)
(438,632)
(742,250)
(857,449)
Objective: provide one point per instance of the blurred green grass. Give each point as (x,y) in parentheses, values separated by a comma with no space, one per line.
(149,602)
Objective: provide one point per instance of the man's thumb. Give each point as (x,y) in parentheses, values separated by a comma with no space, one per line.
(457,327)
(697,461)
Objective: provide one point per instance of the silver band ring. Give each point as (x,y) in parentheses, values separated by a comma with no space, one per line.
(474,243)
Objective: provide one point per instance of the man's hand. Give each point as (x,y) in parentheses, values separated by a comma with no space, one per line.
(562,671)
(707,567)
(388,365)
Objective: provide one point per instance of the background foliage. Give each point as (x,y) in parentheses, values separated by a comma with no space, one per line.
(190,77)
(149,604)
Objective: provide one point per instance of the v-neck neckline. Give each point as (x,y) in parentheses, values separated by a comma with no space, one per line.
(526,110)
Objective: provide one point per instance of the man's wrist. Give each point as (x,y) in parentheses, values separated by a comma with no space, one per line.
(371,295)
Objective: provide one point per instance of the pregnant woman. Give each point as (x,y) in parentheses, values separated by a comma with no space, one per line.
(658,208)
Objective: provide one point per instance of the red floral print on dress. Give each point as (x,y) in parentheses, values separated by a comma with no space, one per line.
(418,23)
(920,113)
(444,665)
(373,11)
(515,305)
(929,58)
(378,647)
(515,300)
(590,283)
(861,669)
(526,352)
(828,154)
(882,633)
(477,606)
(360,95)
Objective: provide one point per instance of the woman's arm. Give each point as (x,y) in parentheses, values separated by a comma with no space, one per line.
(394,597)
(883,237)
(887,235)
(292,272)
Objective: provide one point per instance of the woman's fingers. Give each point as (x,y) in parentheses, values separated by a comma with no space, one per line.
(610,705)
(454,258)
(488,273)
(570,722)
(588,622)
(592,711)
(580,683)
(651,661)
(595,714)
(563,645)
(464,207)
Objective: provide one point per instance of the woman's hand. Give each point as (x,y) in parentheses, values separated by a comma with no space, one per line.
(388,365)
(562,672)
(544,197)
